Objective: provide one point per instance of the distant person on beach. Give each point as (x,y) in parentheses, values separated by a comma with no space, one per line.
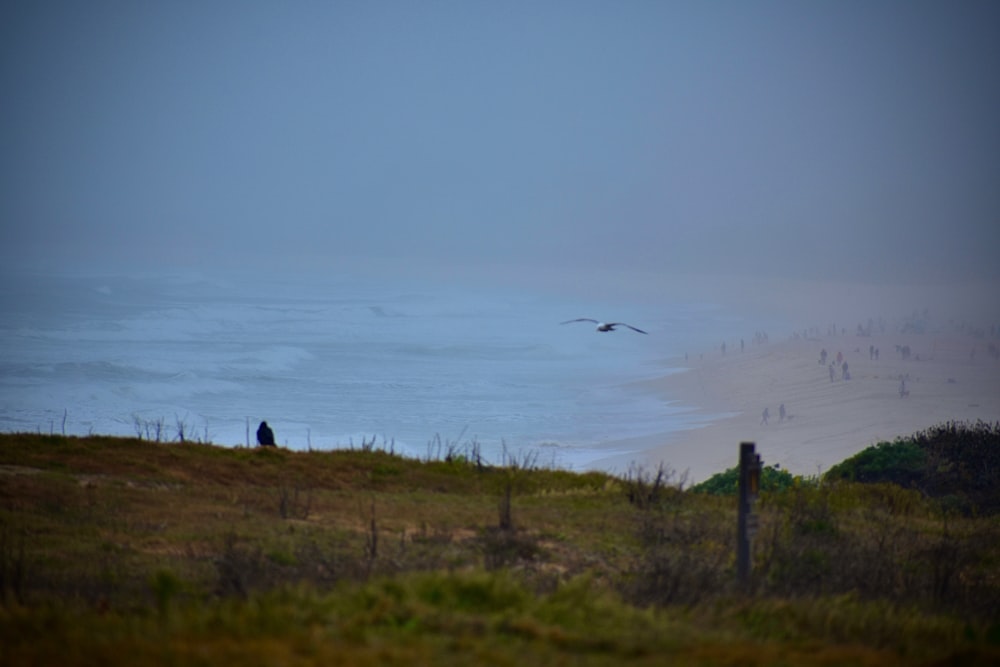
(265,436)
(822,357)
(832,372)
(781,412)
(763,417)
(845,374)
(903,391)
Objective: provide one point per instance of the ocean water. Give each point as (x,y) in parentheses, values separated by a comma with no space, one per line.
(337,361)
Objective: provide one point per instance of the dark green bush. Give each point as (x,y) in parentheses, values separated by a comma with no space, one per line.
(772,478)
(902,462)
(955,462)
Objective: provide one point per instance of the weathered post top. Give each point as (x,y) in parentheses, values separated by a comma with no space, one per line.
(750,467)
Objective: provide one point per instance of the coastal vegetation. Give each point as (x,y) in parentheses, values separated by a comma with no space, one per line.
(772,479)
(955,462)
(126,551)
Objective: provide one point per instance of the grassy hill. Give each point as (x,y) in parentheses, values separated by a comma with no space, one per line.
(125,551)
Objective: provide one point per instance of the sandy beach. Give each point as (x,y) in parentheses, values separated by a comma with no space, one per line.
(948,376)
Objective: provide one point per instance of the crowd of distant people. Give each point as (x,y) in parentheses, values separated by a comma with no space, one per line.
(839,365)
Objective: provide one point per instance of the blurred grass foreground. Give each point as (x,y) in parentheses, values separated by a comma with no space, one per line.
(120,551)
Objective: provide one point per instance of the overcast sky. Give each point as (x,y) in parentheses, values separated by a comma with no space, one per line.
(817,139)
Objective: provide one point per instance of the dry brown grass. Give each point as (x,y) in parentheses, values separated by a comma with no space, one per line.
(122,526)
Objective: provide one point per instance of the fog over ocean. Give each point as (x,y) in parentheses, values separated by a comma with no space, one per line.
(330,362)
(448,182)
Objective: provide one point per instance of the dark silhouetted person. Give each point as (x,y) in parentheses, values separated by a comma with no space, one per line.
(763,417)
(781,412)
(845,374)
(822,356)
(831,371)
(265,436)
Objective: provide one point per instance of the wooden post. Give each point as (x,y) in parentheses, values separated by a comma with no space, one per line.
(746,520)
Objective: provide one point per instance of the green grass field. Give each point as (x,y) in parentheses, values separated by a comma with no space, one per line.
(124,551)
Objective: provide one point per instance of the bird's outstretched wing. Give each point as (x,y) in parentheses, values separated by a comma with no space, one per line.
(622,324)
(580,319)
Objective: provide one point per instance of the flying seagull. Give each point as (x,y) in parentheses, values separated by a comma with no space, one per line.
(604,326)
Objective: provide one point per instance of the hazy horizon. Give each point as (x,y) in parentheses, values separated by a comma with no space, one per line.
(816,141)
